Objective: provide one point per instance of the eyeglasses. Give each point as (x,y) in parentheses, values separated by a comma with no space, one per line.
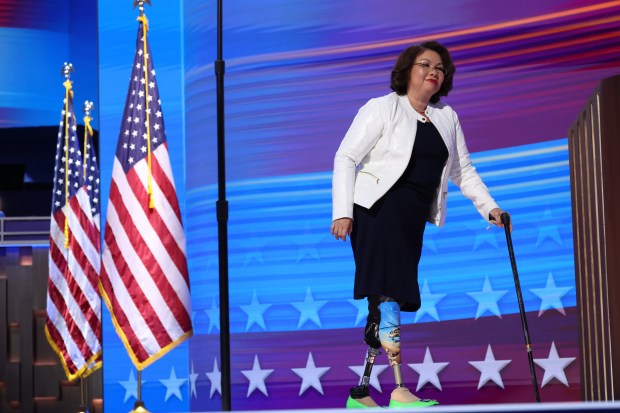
(428,67)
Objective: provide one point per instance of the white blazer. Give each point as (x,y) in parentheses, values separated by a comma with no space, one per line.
(376,150)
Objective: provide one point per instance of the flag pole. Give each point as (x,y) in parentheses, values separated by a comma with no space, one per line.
(83,408)
(67,68)
(222,221)
(88,106)
(138,406)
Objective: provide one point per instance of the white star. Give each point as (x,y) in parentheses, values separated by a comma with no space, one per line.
(554,366)
(214,316)
(311,375)
(487,299)
(253,245)
(428,370)
(362,309)
(307,243)
(173,385)
(489,369)
(309,309)
(215,377)
(374,374)
(255,312)
(158,113)
(550,230)
(430,244)
(156,126)
(131,386)
(257,377)
(193,376)
(429,302)
(483,237)
(551,296)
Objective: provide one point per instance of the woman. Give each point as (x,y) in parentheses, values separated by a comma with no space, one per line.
(391,175)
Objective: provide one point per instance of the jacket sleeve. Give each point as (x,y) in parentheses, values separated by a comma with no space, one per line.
(464,175)
(361,137)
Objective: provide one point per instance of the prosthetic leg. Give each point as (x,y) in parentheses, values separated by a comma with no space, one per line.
(389,336)
(383,330)
(359,396)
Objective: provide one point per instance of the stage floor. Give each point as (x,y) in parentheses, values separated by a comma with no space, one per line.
(574,407)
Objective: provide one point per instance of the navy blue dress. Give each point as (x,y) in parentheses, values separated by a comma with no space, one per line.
(387,238)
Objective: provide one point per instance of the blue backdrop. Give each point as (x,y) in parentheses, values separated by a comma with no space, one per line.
(296,75)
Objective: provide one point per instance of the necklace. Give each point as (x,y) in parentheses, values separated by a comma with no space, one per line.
(423,114)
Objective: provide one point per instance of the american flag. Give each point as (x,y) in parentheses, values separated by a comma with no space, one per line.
(92,183)
(144,275)
(73,324)
(91,173)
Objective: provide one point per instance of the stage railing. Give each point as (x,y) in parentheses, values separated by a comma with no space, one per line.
(594,149)
(24,230)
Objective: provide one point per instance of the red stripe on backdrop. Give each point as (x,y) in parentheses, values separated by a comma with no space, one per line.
(60,345)
(132,285)
(76,292)
(157,273)
(72,326)
(119,315)
(157,223)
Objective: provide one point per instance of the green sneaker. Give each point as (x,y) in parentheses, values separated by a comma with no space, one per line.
(356,404)
(418,404)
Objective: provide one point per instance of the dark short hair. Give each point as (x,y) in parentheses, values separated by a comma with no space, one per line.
(399,80)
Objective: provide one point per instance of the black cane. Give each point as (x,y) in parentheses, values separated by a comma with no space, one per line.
(506,221)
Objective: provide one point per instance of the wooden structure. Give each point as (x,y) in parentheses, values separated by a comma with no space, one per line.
(594,148)
(31,376)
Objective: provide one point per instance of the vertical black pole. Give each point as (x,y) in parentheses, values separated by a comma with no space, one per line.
(222,220)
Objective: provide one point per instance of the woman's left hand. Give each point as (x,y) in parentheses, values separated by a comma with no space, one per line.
(496,214)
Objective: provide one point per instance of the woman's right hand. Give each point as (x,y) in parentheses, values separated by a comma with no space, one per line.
(342,227)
